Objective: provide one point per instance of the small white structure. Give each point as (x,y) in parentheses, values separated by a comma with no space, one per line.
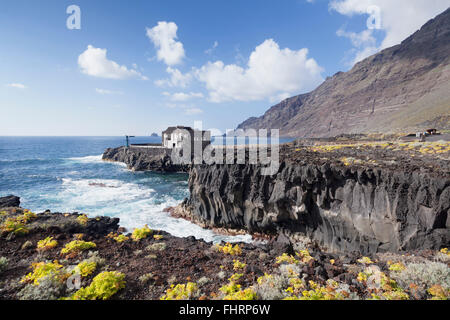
(175,137)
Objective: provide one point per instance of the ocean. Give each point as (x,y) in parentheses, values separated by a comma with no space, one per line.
(66,174)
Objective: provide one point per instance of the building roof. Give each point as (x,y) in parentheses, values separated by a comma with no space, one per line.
(170,130)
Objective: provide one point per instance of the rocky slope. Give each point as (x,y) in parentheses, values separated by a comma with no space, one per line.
(392,198)
(158,265)
(403,88)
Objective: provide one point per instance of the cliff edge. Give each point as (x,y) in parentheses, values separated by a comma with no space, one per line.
(392,197)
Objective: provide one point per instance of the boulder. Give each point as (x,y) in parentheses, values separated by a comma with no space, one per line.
(9,201)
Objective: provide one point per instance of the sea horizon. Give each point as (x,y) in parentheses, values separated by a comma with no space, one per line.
(53,174)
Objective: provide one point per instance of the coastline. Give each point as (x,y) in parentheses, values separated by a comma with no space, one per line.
(157,262)
(347,194)
(179,212)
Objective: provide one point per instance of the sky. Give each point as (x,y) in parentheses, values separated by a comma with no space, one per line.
(116,67)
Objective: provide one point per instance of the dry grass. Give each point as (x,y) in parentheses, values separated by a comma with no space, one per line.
(438,147)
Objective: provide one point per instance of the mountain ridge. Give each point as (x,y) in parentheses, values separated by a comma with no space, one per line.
(400,89)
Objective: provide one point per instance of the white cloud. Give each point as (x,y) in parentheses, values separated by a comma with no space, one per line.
(187,109)
(16,85)
(164,36)
(399,19)
(193,111)
(94,62)
(105,91)
(364,44)
(181,96)
(270,71)
(363,38)
(177,79)
(280,97)
(211,50)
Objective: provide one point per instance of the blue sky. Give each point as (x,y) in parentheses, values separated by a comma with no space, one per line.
(215,61)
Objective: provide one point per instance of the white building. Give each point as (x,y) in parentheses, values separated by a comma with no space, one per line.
(174,137)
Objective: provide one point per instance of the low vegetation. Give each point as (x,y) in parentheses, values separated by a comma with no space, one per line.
(437,147)
(102,287)
(42,270)
(379,153)
(142,233)
(85,268)
(233,290)
(73,248)
(229,249)
(171,271)
(181,292)
(119,238)
(46,244)
(16,226)
(83,220)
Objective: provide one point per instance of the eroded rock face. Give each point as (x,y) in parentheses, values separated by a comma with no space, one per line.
(344,209)
(144,159)
(9,201)
(379,94)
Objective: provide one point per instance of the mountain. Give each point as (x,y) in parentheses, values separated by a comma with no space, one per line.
(400,89)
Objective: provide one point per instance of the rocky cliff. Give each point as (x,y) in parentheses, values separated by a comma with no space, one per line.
(403,88)
(9,201)
(345,208)
(144,159)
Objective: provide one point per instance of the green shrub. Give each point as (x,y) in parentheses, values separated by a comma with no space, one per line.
(83,219)
(285,258)
(304,256)
(42,270)
(318,292)
(229,249)
(15,226)
(238,265)
(46,244)
(233,291)
(396,267)
(181,292)
(103,287)
(85,268)
(73,248)
(139,234)
(27,216)
(443,255)
(365,260)
(246,294)
(121,238)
